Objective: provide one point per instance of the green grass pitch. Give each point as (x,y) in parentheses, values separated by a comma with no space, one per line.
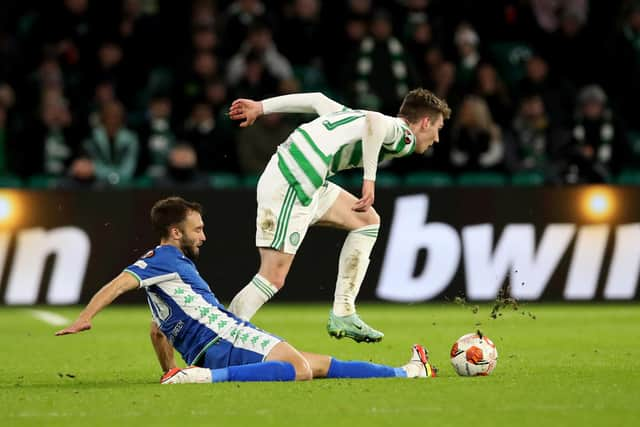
(571,365)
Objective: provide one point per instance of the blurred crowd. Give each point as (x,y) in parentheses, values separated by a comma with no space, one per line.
(134,92)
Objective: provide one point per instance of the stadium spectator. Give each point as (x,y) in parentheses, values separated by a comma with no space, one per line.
(210,139)
(182,169)
(96,53)
(622,78)
(532,138)
(239,18)
(156,138)
(256,81)
(548,12)
(557,93)
(573,37)
(109,67)
(204,67)
(631,27)
(257,143)
(444,83)
(490,87)
(204,39)
(48,75)
(349,36)
(7,102)
(476,140)
(419,36)
(111,148)
(258,50)
(73,32)
(215,93)
(432,59)
(382,70)
(467,44)
(598,146)
(50,141)
(141,36)
(301,28)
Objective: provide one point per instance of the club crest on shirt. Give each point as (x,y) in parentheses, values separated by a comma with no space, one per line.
(408,136)
(148,254)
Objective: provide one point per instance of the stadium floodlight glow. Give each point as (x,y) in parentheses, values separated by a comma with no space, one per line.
(5,208)
(598,203)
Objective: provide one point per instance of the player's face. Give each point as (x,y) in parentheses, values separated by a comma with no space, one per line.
(193,237)
(428,133)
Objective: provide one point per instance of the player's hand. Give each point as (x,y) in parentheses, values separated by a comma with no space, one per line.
(245,109)
(77,326)
(368,195)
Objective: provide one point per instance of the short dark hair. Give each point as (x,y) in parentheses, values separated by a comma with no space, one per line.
(420,103)
(169,212)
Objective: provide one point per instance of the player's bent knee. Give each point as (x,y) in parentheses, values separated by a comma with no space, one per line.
(286,353)
(372,217)
(303,373)
(275,278)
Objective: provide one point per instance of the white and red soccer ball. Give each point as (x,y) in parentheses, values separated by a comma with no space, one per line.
(474,354)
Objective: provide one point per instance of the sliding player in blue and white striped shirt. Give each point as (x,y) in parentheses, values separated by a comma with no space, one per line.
(217,345)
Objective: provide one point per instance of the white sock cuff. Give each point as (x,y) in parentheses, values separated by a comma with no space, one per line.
(264,286)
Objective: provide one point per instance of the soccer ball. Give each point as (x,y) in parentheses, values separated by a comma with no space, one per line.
(474,354)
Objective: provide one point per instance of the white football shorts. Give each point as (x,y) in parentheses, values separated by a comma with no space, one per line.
(281,220)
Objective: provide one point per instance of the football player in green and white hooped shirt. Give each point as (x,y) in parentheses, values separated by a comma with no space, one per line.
(293,192)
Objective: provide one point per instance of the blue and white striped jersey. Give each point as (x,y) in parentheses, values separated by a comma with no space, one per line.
(181,302)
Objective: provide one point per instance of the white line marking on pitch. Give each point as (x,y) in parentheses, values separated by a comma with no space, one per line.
(50,318)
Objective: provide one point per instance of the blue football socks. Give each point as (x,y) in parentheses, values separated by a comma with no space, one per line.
(265,371)
(348,369)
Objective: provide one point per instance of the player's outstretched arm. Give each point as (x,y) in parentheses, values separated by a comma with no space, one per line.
(375,129)
(105,296)
(249,110)
(163,349)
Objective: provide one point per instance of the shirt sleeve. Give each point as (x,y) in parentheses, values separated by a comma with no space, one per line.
(315,102)
(150,271)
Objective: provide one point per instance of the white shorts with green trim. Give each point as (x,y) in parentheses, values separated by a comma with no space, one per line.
(281,220)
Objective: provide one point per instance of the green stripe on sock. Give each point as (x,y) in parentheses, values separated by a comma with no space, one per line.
(367,233)
(264,285)
(261,288)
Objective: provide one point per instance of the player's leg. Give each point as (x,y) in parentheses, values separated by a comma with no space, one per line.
(285,352)
(275,199)
(261,371)
(281,225)
(324,366)
(252,355)
(353,262)
(274,267)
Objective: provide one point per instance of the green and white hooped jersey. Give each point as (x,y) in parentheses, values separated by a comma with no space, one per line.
(333,142)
